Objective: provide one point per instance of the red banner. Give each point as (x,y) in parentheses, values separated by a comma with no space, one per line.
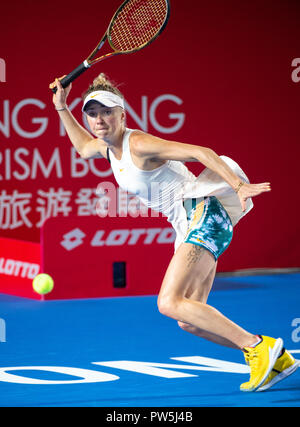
(92,257)
(20,262)
(224,74)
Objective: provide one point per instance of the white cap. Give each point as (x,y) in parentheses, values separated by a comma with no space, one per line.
(104,97)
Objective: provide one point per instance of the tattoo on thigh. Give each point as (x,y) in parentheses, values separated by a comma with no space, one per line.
(193,255)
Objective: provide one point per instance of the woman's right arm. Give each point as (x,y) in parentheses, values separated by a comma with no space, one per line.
(86,146)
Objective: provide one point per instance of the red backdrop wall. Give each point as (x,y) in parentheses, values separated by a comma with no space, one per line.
(224,74)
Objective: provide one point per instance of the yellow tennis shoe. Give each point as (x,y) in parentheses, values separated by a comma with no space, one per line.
(261,360)
(285,365)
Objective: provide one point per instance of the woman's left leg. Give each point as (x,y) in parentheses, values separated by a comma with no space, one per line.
(189,268)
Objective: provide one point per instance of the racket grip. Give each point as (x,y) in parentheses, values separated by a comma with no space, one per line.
(73,75)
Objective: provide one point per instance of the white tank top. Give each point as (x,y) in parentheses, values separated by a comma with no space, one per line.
(164,188)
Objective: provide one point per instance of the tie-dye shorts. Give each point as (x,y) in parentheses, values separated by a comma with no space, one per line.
(209,225)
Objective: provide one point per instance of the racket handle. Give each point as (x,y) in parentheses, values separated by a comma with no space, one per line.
(73,75)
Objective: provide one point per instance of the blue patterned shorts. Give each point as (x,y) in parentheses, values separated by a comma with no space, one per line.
(209,225)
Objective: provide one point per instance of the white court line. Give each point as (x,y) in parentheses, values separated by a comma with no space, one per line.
(295,352)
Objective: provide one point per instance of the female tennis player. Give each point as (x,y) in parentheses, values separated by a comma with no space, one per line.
(203,212)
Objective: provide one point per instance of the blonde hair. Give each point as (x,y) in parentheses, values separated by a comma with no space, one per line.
(102,82)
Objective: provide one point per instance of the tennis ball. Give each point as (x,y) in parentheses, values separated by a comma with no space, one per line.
(43,284)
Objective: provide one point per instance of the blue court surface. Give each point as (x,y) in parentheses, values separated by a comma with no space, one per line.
(121,352)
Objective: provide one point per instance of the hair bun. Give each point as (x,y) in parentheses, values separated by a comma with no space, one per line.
(102,82)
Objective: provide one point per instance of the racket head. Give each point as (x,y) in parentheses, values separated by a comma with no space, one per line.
(137,23)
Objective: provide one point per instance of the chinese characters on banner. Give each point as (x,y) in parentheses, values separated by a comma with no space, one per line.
(16,207)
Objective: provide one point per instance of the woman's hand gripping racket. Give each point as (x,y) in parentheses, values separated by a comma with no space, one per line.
(134,26)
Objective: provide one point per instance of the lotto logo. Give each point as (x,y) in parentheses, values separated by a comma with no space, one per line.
(73,239)
(145,236)
(11,267)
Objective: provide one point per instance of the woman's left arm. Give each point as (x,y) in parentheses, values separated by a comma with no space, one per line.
(151,147)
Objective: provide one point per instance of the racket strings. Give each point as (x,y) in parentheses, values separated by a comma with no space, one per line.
(137,24)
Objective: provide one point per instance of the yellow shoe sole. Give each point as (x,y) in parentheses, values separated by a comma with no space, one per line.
(281,376)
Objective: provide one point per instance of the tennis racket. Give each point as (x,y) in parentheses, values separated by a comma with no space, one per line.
(135,25)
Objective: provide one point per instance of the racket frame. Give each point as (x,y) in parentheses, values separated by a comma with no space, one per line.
(107,36)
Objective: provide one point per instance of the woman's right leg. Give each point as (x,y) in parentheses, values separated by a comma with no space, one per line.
(200,293)
(187,267)
(184,273)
